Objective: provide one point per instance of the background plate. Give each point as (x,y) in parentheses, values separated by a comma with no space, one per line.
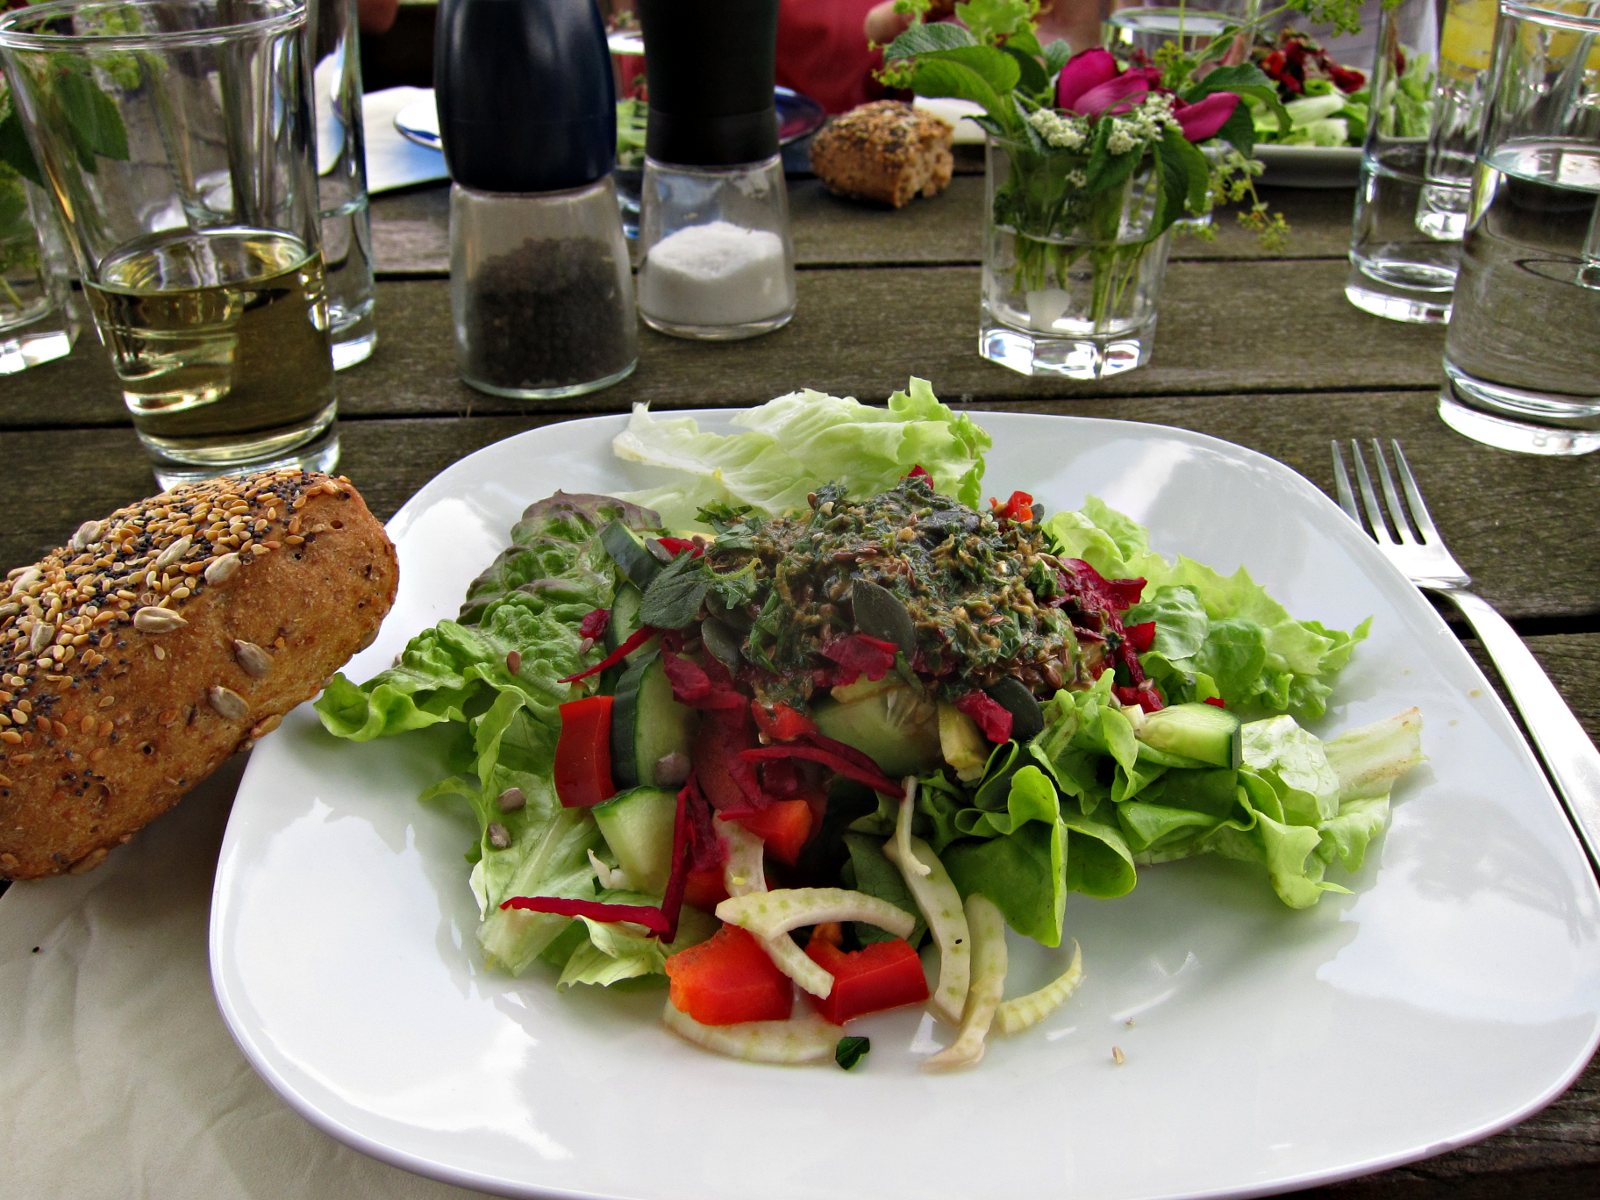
(1309,166)
(1454,991)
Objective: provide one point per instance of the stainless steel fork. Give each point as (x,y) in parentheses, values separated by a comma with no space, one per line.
(1569,755)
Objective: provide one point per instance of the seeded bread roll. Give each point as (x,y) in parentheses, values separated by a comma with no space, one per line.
(886,151)
(138,657)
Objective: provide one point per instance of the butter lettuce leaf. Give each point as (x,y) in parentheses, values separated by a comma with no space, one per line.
(796,444)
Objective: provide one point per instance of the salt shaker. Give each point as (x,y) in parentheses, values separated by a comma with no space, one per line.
(541,289)
(716,260)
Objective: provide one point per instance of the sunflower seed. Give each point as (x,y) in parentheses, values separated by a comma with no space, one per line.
(221,570)
(157,620)
(26,580)
(88,534)
(228,704)
(43,634)
(257,663)
(9,610)
(173,552)
(499,835)
(511,799)
(672,768)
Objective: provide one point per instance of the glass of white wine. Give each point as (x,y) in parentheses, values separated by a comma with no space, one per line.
(176,137)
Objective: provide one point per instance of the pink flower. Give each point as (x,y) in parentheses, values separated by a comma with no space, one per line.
(1118,94)
(1082,72)
(1203,118)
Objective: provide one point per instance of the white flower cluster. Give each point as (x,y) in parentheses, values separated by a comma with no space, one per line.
(1143,126)
(1062,130)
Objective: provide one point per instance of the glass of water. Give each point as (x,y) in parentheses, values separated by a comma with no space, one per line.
(176,138)
(342,178)
(1522,355)
(1416,166)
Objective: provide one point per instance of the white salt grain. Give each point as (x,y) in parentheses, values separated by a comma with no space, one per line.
(715,274)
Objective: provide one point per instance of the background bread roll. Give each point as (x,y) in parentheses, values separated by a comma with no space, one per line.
(886,151)
(137,658)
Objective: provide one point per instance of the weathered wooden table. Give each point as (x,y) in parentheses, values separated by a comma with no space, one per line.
(1259,349)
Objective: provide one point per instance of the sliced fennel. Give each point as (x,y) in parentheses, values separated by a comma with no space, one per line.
(744,875)
(1024,1012)
(768,914)
(988,985)
(806,1039)
(902,831)
(940,903)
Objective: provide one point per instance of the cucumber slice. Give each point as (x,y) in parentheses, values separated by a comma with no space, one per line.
(637,825)
(627,550)
(890,727)
(646,723)
(1199,731)
(624,623)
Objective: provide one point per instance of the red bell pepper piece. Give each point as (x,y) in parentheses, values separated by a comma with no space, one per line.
(583,753)
(993,719)
(785,827)
(678,545)
(1018,508)
(1215,700)
(729,980)
(878,976)
(645,633)
(917,472)
(705,888)
(782,724)
(1141,636)
(594,623)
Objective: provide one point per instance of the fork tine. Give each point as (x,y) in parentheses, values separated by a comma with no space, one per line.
(1420,517)
(1380,531)
(1341,483)
(1397,511)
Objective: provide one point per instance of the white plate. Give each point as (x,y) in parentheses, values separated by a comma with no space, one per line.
(1309,166)
(1455,991)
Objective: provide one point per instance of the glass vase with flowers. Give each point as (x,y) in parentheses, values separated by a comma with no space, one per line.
(1091,160)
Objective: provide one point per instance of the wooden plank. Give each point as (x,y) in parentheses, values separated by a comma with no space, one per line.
(1226,327)
(410,230)
(1493,508)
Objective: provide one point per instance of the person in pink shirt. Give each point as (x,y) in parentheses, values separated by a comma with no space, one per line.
(826,48)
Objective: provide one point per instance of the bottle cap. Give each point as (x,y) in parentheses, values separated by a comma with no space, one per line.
(525,95)
(710,65)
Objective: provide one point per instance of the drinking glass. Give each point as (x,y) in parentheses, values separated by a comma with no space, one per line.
(1416,166)
(331,27)
(1522,355)
(176,137)
(38,321)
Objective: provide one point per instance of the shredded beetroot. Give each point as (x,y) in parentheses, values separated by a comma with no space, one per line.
(1141,636)
(729,783)
(678,545)
(661,920)
(691,685)
(594,624)
(992,718)
(856,653)
(873,778)
(646,632)
(709,852)
(1098,604)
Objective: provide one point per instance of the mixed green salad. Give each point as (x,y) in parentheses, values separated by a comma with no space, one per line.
(813,705)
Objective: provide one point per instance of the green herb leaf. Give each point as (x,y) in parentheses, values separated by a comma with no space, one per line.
(941,77)
(851,1050)
(1056,55)
(992,20)
(1245,79)
(924,39)
(15,151)
(997,68)
(1239,130)
(674,597)
(1032,77)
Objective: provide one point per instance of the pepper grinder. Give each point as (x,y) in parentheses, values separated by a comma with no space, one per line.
(541,288)
(716,260)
